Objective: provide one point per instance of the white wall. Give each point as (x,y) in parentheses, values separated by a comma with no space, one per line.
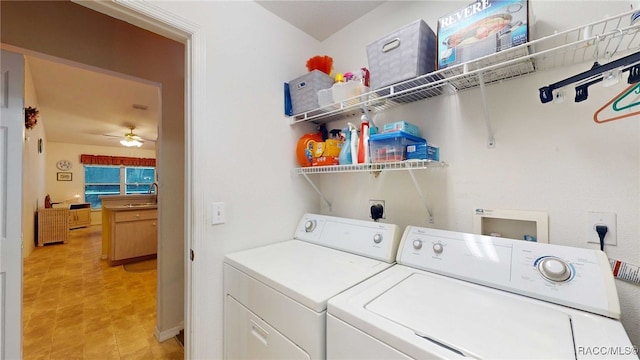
(244,146)
(245,149)
(549,157)
(33,183)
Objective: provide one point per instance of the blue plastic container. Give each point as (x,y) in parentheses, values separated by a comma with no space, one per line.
(390,147)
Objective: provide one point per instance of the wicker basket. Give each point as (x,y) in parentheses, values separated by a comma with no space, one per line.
(53,225)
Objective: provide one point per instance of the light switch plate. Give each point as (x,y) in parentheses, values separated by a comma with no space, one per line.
(217,213)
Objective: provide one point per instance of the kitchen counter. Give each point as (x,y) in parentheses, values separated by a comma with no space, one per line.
(129,207)
(129,228)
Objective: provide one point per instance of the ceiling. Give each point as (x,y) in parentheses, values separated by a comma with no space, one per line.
(320,19)
(81,105)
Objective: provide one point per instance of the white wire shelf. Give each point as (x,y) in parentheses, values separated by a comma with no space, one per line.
(372,167)
(601,40)
(375,168)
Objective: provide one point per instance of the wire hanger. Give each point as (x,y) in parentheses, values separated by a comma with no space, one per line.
(634,88)
(631,89)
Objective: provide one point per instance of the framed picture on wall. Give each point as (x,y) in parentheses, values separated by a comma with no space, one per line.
(65,176)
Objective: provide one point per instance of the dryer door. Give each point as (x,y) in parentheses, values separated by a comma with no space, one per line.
(248,337)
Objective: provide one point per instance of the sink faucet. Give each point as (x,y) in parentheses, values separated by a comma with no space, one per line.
(151,186)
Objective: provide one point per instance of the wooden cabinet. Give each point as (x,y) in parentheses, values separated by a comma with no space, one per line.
(79,215)
(133,235)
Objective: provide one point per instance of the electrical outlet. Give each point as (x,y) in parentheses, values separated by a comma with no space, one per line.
(601,218)
(377,202)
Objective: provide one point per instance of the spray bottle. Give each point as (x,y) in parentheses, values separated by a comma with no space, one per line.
(354,143)
(345,152)
(363,144)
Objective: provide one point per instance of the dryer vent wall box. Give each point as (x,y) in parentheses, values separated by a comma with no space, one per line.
(512,224)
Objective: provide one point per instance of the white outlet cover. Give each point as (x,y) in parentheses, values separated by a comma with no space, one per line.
(217,213)
(601,218)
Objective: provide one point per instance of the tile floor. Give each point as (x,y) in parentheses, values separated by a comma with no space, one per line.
(77,307)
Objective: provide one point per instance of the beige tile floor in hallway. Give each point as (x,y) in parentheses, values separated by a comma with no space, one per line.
(78,307)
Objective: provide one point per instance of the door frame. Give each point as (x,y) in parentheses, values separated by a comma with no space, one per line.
(152,18)
(11,165)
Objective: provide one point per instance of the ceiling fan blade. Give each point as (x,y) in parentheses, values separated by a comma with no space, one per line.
(129,136)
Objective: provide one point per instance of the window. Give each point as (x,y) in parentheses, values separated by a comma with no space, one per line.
(138,179)
(115,180)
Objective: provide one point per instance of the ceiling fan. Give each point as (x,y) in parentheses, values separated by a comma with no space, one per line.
(130,139)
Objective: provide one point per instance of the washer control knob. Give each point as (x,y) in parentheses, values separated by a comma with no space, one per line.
(417,244)
(377,238)
(309,225)
(437,248)
(554,269)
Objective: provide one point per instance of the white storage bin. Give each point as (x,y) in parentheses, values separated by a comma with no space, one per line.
(348,90)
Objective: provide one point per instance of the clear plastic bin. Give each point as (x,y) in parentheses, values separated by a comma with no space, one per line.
(347,90)
(390,147)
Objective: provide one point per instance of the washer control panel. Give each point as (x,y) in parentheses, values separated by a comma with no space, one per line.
(576,277)
(371,239)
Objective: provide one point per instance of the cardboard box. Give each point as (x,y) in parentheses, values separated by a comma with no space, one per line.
(423,151)
(401,126)
(482,28)
(402,55)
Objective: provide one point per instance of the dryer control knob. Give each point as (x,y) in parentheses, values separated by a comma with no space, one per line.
(554,269)
(377,238)
(437,248)
(309,225)
(417,244)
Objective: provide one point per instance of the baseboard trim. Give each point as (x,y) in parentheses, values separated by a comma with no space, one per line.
(169,333)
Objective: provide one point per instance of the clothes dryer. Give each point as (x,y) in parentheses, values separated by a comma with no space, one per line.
(276,295)
(455,295)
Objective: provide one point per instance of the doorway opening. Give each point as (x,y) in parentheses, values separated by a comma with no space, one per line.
(146,17)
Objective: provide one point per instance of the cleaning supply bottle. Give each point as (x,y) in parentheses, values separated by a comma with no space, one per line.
(345,153)
(363,144)
(354,143)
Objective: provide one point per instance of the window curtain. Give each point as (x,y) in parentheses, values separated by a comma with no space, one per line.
(116,160)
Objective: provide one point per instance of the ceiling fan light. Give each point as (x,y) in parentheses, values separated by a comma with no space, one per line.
(130,142)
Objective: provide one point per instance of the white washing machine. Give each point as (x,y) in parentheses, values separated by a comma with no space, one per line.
(455,295)
(276,295)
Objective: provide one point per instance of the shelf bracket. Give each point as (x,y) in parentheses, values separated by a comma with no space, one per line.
(425,201)
(491,142)
(318,191)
